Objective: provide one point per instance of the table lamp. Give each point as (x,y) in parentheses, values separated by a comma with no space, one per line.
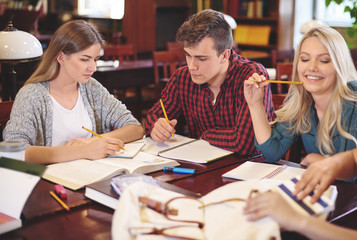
(16,47)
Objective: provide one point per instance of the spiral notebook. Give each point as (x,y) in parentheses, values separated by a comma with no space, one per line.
(256,170)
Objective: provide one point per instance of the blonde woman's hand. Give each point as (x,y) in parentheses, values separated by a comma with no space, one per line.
(254,89)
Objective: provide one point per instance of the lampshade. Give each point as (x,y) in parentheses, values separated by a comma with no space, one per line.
(311,24)
(17,45)
(230,20)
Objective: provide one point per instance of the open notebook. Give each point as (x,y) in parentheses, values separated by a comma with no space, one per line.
(256,170)
(185,148)
(79,173)
(130,150)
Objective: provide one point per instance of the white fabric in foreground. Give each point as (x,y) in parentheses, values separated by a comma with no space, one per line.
(222,221)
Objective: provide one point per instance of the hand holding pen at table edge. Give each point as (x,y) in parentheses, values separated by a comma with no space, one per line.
(164,128)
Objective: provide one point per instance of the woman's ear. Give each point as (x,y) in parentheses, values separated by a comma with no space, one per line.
(60,58)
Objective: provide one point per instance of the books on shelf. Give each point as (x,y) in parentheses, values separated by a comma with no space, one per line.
(256,170)
(246,8)
(79,173)
(186,149)
(252,34)
(17,180)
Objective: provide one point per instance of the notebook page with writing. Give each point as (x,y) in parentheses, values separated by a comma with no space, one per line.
(256,170)
(155,148)
(141,163)
(130,150)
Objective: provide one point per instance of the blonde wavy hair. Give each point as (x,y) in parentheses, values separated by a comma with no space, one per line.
(71,37)
(299,98)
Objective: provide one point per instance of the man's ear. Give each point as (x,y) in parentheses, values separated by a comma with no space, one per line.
(226,55)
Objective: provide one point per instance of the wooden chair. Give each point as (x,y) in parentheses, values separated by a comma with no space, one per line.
(278,100)
(173,46)
(176,47)
(165,64)
(279,56)
(123,52)
(284,71)
(5,110)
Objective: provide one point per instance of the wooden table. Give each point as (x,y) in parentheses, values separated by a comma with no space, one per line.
(43,218)
(129,74)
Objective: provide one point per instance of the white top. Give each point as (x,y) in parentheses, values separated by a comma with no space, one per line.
(67,124)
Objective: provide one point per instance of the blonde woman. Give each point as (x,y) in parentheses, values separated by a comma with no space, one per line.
(323,110)
(61,96)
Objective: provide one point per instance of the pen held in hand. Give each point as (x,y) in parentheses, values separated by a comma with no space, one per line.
(281,81)
(167,119)
(96,134)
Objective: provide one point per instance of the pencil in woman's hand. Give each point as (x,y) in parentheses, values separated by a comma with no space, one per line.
(281,81)
(96,134)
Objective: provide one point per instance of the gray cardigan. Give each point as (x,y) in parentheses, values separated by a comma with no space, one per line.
(31,115)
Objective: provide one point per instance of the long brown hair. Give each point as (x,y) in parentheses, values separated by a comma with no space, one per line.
(71,37)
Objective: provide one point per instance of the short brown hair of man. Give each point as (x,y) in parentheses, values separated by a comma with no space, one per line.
(207,23)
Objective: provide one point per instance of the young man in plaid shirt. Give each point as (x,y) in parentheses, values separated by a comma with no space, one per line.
(209,90)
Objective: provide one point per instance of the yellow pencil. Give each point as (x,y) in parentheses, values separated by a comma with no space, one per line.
(167,119)
(96,134)
(59,201)
(282,81)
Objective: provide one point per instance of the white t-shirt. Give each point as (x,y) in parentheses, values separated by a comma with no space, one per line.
(67,124)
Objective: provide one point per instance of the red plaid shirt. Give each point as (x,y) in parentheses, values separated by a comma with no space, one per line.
(227,124)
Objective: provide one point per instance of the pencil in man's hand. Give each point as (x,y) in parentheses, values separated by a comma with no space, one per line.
(96,134)
(167,119)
